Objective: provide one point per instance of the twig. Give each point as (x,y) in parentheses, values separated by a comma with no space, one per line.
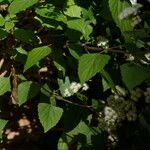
(14,94)
(115,49)
(1,63)
(76,104)
(112,49)
(3,73)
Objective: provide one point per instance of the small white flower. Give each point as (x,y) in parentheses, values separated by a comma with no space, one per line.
(116,96)
(136,20)
(103,44)
(85,87)
(75,90)
(79,85)
(144,62)
(72,85)
(130,58)
(110,115)
(67,93)
(121,90)
(147,56)
(133,2)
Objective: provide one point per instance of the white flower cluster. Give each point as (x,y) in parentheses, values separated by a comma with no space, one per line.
(103,44)
(119,91)
(136,94)
(110,116)
(74,88)
(129,11)
(136,20)
(130,57)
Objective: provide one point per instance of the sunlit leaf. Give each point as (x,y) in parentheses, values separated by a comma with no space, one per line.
(2,125)
(27,90)
(19,5)
(116,8)
(35,55)
(49,115)
(4,85)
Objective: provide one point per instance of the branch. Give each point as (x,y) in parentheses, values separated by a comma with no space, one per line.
(111,49)
(115,49)
(76,104)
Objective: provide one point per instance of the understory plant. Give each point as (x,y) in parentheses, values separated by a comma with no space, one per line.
(74,75)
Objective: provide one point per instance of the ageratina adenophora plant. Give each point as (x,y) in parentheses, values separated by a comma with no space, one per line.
(74,75)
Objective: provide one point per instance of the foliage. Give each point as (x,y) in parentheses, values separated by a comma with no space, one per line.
(76,70)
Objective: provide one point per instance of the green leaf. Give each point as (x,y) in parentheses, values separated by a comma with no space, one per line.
(75,50)
(88,14)
(62,145)
(59,61)
(107,79)
(82,26)
(19,5)
(4,85)
(83,128)
(90,64)
(133,75)
(35,55)
(27,90)
(63,85)
(2,20)
(73,11)
(3,34)
(49,115)
(21,51)
(2,125)
(116,8)
(9,25)
(27,36)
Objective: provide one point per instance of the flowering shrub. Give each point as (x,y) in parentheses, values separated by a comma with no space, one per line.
(74,74)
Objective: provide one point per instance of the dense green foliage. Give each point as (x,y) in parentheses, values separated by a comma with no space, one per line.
(76,70)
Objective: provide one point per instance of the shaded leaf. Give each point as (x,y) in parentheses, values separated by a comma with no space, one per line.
(24,35)
(108,80)
(2,125)
(83,128)
(75,50)
(90,64)
(3,34)
(133,75)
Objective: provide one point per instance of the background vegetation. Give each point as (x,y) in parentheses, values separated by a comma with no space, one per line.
(75,75)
